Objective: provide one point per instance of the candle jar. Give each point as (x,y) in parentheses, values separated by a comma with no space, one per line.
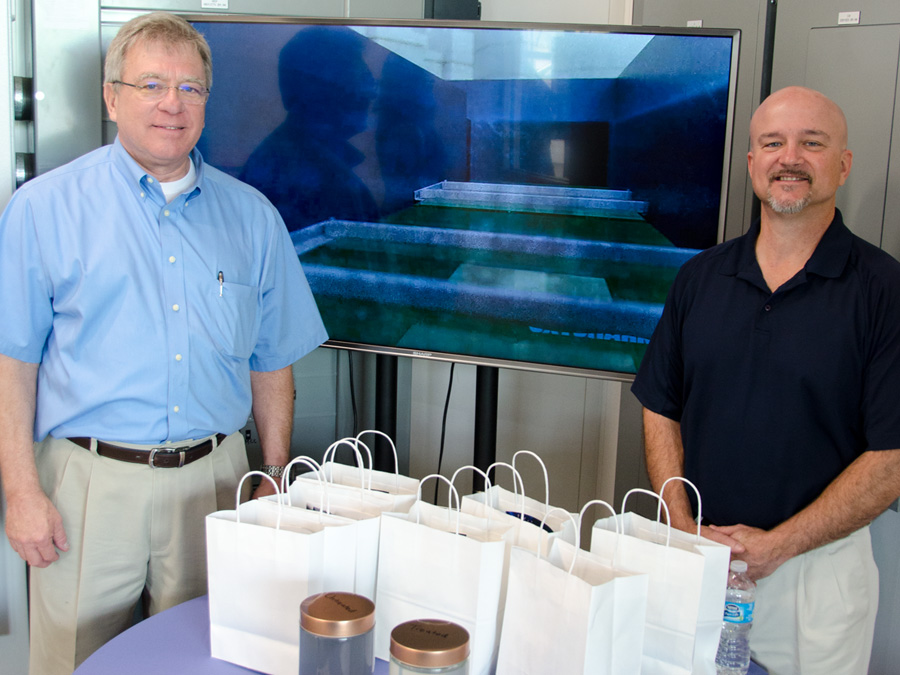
(337,635)
(429,646)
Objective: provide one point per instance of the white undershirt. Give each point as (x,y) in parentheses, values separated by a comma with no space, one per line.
(174,188)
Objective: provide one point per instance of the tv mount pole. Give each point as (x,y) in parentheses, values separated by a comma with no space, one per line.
(385,410)
(486,396)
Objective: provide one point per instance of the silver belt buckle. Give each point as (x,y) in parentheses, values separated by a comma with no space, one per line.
(168,451)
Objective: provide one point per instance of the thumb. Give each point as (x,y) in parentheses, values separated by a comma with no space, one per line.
(59,537)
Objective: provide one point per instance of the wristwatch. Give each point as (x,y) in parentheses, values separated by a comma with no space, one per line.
(272,470)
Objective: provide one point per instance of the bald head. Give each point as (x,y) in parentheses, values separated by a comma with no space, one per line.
(822,113)
(798,152)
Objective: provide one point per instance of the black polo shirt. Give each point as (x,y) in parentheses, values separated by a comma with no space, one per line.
(777,392)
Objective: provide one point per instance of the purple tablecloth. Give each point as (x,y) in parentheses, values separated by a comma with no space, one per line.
(177,641)
(174,641)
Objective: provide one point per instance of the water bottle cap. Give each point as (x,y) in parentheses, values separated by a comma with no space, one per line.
(739,566)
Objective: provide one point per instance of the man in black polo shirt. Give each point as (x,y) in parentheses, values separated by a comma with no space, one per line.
(772,382)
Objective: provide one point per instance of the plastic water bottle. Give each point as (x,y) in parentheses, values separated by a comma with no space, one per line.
(733,657)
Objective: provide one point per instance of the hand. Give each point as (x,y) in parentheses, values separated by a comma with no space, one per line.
(762,552)
(264,490)
(715,534)
(689,525)
(35,530)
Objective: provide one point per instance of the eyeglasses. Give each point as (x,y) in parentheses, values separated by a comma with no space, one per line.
(154,91)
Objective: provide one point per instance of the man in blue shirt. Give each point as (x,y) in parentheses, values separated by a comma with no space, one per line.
(149,301)
(772,382)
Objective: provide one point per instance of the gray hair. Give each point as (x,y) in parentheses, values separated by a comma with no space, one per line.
(160,27)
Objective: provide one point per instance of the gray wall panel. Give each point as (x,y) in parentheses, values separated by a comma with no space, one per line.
(67,111)
(836,59)
(890,238)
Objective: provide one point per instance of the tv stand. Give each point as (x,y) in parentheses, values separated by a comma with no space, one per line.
(385,410)
(486,396)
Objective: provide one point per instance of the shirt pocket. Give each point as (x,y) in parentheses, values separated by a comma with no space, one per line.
(235,312)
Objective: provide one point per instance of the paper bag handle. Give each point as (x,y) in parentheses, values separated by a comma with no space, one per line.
(472,467)
(453,493)
(354,445)
(393,450)
(662,505)
(696,492)
(286,474)
(237,495)
(615,520)
(517,483)
(543,468)
(487,484)
(598,502)
(324,501)
(577,534)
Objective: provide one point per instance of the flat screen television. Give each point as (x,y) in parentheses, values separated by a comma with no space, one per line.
(518,195)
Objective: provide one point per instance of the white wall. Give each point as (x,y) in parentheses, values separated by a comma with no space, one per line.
(558,11)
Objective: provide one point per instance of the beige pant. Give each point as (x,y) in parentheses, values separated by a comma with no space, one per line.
(816,614)
(129,528)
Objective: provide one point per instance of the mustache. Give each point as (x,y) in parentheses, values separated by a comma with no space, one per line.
(790,174)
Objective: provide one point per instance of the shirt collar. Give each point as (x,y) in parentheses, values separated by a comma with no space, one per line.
(140,178)
(828,260)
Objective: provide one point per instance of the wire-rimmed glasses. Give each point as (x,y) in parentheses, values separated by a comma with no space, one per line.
(154,91)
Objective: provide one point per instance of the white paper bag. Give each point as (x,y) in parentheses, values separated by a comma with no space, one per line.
(588,620)
(571,613)
(442,564)
(679,577)
(357,554)
(263,561)
(712,594)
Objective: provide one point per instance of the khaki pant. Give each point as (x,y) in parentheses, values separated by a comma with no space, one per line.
(816,614)
(129,527)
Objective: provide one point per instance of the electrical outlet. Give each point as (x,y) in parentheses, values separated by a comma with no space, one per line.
(251,441)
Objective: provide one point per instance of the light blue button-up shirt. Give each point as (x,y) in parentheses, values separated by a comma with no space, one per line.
(118,295)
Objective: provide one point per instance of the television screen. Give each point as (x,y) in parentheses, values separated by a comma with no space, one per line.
(518,195)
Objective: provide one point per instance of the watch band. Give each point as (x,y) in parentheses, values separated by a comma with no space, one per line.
(272,470)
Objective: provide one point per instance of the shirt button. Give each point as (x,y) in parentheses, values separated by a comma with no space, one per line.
(166,212)
(768,308)
(143,195)
(176,409)
(171,258)
(178,357)
(175,308)
(149,180)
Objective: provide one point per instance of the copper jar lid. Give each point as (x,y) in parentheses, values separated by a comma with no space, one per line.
(337,614)
(430,643)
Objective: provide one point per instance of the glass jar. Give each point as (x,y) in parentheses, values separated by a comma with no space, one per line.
(429,646)
(337,634)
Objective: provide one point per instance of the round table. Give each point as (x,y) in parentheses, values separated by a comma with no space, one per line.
(177,641)
(174,641)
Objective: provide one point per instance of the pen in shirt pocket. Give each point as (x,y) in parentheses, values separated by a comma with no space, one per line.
(221,282)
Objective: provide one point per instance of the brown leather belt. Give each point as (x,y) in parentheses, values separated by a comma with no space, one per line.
(166,457)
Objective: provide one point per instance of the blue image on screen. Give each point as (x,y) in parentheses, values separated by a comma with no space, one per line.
(521,194)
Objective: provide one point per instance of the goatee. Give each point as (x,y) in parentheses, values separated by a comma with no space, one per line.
(788,206)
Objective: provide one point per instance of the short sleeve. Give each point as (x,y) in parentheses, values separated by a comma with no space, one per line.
(24,287)
(290,323)
(881,387)
(658,384)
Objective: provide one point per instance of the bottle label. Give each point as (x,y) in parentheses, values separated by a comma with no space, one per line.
(739,612)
